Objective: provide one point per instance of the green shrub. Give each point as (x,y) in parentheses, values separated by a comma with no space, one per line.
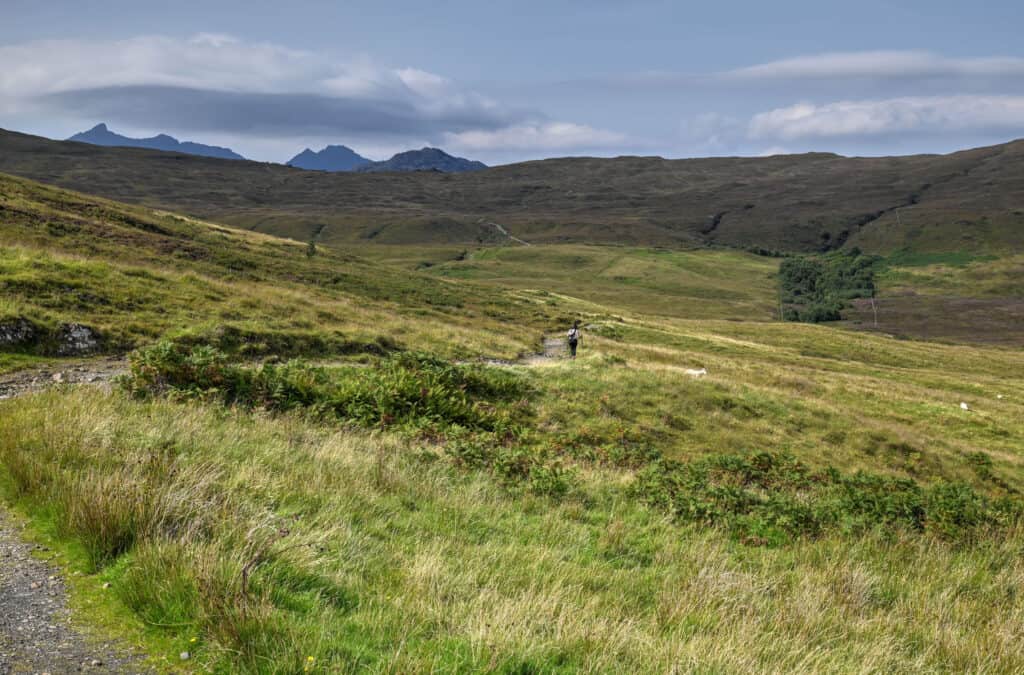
(404,389)
(774,498)
(513,464)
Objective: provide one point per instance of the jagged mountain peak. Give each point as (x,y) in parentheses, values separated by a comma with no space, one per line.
(102,135)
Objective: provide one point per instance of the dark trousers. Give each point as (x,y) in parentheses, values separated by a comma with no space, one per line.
(572,347)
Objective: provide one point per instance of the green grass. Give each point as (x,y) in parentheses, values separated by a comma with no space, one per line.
(136,275)
(906,258)
(275,540)
(689,284)
(957,276)
(10,362)
(818,502)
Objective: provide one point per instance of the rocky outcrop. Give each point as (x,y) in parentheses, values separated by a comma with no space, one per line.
(16,332)
(74,339)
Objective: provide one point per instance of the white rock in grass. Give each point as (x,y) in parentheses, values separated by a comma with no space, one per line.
(964,406)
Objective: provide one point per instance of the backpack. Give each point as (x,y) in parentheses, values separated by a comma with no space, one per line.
(574,335)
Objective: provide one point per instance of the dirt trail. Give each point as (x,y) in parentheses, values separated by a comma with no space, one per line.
(84,371)
(36,635)
(554,348)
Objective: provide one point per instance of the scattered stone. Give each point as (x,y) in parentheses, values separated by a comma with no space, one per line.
(964,406)
(184,656)
(58,377)
(106,585)
(36,634)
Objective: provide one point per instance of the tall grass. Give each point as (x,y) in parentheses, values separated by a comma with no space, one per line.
(276,540)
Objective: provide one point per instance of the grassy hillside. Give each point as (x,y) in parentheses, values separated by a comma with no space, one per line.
(692,284)
(134,275)
(972,200)
(820,501)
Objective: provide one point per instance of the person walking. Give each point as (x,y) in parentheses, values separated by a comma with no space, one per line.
(574,336)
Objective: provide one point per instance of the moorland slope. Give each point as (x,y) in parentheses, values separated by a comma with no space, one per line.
(819,502)
(966,201)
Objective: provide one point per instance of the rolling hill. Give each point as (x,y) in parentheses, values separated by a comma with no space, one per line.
(424,159)
(966,201)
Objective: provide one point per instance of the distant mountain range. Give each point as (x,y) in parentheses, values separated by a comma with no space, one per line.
(331,158)
(101,135)
(342,158)
(424,159)
(970,201)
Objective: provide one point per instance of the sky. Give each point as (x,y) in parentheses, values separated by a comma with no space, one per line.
(505,82)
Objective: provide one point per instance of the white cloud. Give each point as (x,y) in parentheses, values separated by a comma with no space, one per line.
(217,85)
(424,83)
(880,64)
(537,136)
(927,114)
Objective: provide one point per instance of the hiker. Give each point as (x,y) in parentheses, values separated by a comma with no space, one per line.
(574,336)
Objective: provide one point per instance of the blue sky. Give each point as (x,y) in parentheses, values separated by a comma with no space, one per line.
(521,80)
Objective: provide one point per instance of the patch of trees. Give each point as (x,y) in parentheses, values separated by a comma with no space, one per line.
(766,252)
(816,288)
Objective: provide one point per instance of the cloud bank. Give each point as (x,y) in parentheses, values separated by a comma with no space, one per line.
(876,98)
(219,84)
(272,99)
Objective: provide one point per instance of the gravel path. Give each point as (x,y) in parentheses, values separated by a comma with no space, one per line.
(554,348)
(36,635)
(88,371)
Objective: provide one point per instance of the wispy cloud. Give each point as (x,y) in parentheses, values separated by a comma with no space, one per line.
(878,64)
(898,115)
(537,136)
